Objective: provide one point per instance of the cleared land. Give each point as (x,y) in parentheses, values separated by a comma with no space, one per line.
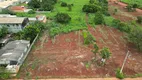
(67,56)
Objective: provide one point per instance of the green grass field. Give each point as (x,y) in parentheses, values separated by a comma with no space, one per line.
(139,2)
(78,17)
(76,14)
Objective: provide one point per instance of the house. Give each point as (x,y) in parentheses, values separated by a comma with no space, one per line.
(6,3)
(13,54)
(41,18)
(14,24)
(19,9)
(3,42)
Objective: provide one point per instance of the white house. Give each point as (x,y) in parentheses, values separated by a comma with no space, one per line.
(14,24)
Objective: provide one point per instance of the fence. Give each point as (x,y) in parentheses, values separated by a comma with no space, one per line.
(26,54)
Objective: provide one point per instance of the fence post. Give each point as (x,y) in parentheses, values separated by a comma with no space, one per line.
(124,61)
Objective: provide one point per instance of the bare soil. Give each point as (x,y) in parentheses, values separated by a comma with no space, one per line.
(122,13)
(67,56)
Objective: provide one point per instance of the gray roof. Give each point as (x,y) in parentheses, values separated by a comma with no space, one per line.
(13,51)
(11,20)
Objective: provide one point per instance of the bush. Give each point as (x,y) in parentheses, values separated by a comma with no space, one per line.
(88,38)
(47,6)
(139,19)
(115,23)
(3,32)
(99,19)
(4,74)
(31,12)
(7,11)
(124,27)
(62,18)
(91,8)
(135,36)
(130,8)
(119,75)
(69,7)
(64,4)
(91,1)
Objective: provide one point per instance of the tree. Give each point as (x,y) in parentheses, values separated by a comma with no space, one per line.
(91,8)
(99,19)
(135,36)
(64,4)
(34,4)
(105,54)
(30,32)
(3,32)
(62,18)
(47,6)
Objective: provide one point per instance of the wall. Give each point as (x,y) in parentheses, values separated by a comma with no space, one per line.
(14,28)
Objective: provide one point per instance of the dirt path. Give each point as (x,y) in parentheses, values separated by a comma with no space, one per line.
(122,13)
(124,5)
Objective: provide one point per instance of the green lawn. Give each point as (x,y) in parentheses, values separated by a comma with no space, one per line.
(78,17)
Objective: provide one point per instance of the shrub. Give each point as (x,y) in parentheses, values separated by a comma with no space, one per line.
(88,38)
(135,5)
(64,4)
(62,18)
(3,32)
(99,19)
(124,27)
(4,74)
(47,6)
(119,75)
(139,19)
(91,8)
(7,11)
(69,7)
(135,36)
(115,23)
(31,12)
(130,8)
(91,1)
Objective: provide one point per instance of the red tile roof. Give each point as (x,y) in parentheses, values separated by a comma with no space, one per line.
(17,8)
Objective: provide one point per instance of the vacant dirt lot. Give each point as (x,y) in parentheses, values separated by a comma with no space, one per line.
(67,56)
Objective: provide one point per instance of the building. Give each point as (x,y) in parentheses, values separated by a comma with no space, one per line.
(19,9)
(13,54)
(3,42)
(14,24)
(7,15)
(6,3)
(41,18)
